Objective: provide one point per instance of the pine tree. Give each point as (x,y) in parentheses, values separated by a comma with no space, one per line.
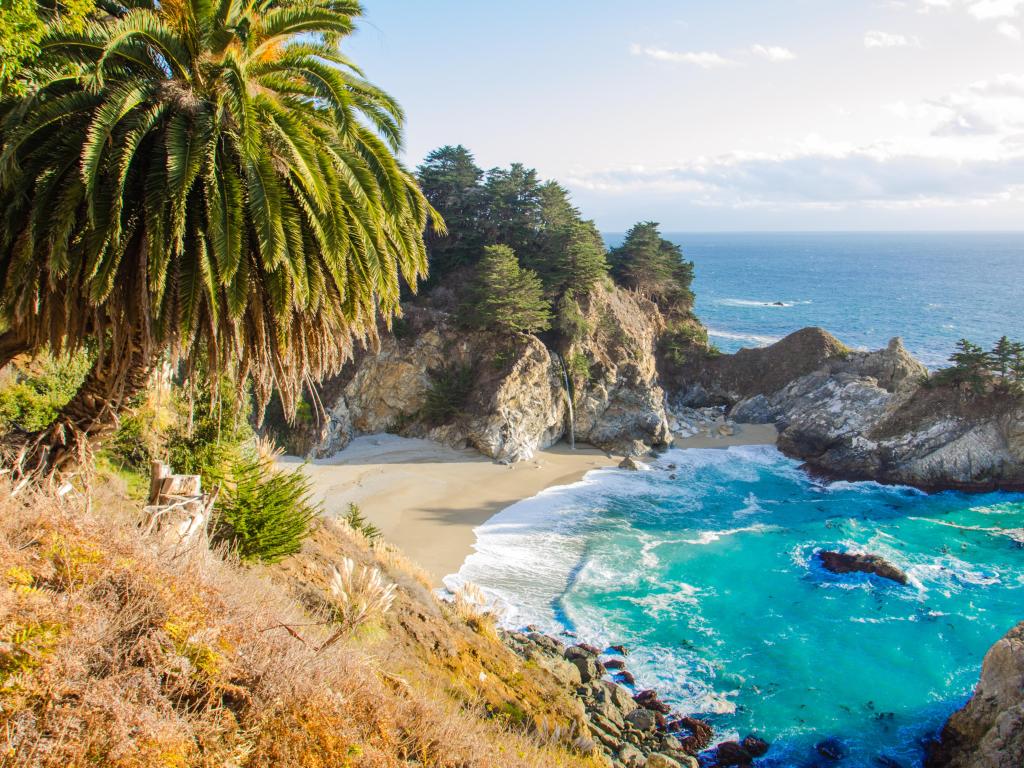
(970,363)
(655,267)
(452,183)
(508,297)
(1001,357)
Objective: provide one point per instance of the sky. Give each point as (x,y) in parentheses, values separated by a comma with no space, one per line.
(709,115)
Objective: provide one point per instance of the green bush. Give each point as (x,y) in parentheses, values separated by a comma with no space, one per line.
(579,366)
(39,390)
(449,392)
(219,426)
(263,513)
(682,338)
(357,521)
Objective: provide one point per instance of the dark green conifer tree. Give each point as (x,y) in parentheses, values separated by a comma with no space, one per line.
(507,297)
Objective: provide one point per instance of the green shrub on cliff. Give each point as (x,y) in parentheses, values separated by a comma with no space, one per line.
(448,394)
(263,513)
(655,267)
(507,297)
(1001,367)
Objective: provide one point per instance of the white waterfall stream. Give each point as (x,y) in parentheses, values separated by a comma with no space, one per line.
(568,399)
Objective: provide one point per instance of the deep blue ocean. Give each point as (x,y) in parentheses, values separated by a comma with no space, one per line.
(712,578)
(930,288)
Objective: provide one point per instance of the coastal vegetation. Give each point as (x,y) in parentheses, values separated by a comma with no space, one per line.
(1001,367)
(199,184)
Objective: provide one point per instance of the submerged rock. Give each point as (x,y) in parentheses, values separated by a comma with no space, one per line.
(856,562)
(989,731)
(831,748)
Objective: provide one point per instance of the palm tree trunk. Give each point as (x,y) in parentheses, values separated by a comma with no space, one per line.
(12,344)
(120,373)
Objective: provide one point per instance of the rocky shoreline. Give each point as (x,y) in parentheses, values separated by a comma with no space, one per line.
(632,728)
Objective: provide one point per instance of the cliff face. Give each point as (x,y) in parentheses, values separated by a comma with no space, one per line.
(989,731)
(505,396)
(865,415)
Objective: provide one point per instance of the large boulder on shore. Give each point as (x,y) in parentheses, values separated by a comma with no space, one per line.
(858,562)
(989,731)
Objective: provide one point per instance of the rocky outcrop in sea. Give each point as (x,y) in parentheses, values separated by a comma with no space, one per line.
(860,415)
(989,731)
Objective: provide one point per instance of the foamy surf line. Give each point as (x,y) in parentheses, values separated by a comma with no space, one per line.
(776,304)
(754,338)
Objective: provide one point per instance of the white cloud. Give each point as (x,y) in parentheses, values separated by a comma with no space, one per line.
(995,9)
(1006,29)
(863,177)
(878,39)
(702,59)
(927,6)
(773,52)
(1004,86)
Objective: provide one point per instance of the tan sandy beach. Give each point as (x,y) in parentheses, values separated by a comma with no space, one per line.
(427,498)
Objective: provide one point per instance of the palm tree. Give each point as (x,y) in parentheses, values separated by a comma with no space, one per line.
(204,181)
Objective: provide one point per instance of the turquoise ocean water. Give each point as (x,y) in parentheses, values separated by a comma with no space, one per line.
(711,577)
(930,288)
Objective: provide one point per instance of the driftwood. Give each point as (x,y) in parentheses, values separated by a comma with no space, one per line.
(178,510)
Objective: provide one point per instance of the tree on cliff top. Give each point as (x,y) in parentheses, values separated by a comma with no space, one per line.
(197,180)
(506,296)
(509,207)
(451,182)
(654,267)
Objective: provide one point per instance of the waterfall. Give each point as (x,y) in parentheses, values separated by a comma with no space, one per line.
(568,399)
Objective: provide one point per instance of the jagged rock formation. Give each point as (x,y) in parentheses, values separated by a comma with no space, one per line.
(867,416)
(989,731)
(631,730)
(512,398)
(859,562)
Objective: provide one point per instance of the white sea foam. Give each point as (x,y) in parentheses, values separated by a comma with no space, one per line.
(709,537)
(781,304)
(760,340)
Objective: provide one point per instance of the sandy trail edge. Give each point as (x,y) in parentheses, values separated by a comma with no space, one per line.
(427,498)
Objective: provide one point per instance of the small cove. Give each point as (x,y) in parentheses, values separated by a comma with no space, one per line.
(711,578)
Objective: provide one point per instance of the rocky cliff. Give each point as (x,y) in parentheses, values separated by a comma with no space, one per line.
(989,731)
(868,415)
(506,396)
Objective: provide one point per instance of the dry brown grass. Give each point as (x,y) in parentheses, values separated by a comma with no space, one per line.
(114,654)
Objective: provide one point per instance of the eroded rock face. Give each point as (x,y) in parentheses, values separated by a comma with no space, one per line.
(622,402)
(517,402)
(866,416)
(989,731)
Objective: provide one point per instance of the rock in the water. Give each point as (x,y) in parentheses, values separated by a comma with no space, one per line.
(989,731)
(629,463)
(831,748)
(650,700)
(616,664)
(732,753)
(857,562)
(756,746)
(699,734)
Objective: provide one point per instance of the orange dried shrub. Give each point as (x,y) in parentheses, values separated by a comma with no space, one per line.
(116,654)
